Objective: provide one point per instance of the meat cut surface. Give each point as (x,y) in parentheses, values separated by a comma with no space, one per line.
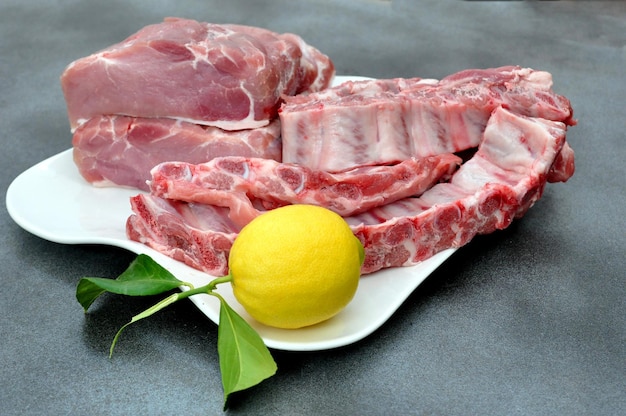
(243,184)
(228,76)
(121,150)
(564,166)
(384,121)
(502,180)
(196,234)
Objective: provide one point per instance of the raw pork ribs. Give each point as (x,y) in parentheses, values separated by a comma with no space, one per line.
(381,121)
(241,183)
(500,182)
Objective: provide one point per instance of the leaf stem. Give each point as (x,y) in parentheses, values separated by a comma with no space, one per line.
(206,289)
(175,297)
(244,358)
(217,281)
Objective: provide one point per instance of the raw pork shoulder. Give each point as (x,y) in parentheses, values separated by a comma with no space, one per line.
(229,76)
(121,150)
(385,121)
(241,183)
(500,182)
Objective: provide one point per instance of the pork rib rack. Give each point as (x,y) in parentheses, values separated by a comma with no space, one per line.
(382,121)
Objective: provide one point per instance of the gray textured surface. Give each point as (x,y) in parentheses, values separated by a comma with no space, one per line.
(528,321)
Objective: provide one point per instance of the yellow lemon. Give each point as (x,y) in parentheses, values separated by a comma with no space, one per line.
(295,266)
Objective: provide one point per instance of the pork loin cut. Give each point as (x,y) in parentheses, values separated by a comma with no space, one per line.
(228,76)
(121,150)
(241,183)
(385,121)
(503,179)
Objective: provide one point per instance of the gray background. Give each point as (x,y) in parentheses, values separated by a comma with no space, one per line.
(530,320)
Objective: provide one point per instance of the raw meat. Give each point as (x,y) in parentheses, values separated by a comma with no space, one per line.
(195,234)
(499,183)
(385,121)
(564,166)
(502,180)
(238,182)
(121,150)
(228,76)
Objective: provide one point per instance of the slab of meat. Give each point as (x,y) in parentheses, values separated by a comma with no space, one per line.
(385,121)
(500,182)
(198,235)
(121,150)
(241,183)
(228,76)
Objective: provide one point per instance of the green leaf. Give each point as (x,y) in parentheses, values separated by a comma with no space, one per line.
(143,277)
(87,291)
(245,361)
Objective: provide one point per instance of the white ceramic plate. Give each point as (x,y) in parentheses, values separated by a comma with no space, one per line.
(51,200)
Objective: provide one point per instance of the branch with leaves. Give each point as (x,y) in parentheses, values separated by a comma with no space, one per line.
(244,359)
